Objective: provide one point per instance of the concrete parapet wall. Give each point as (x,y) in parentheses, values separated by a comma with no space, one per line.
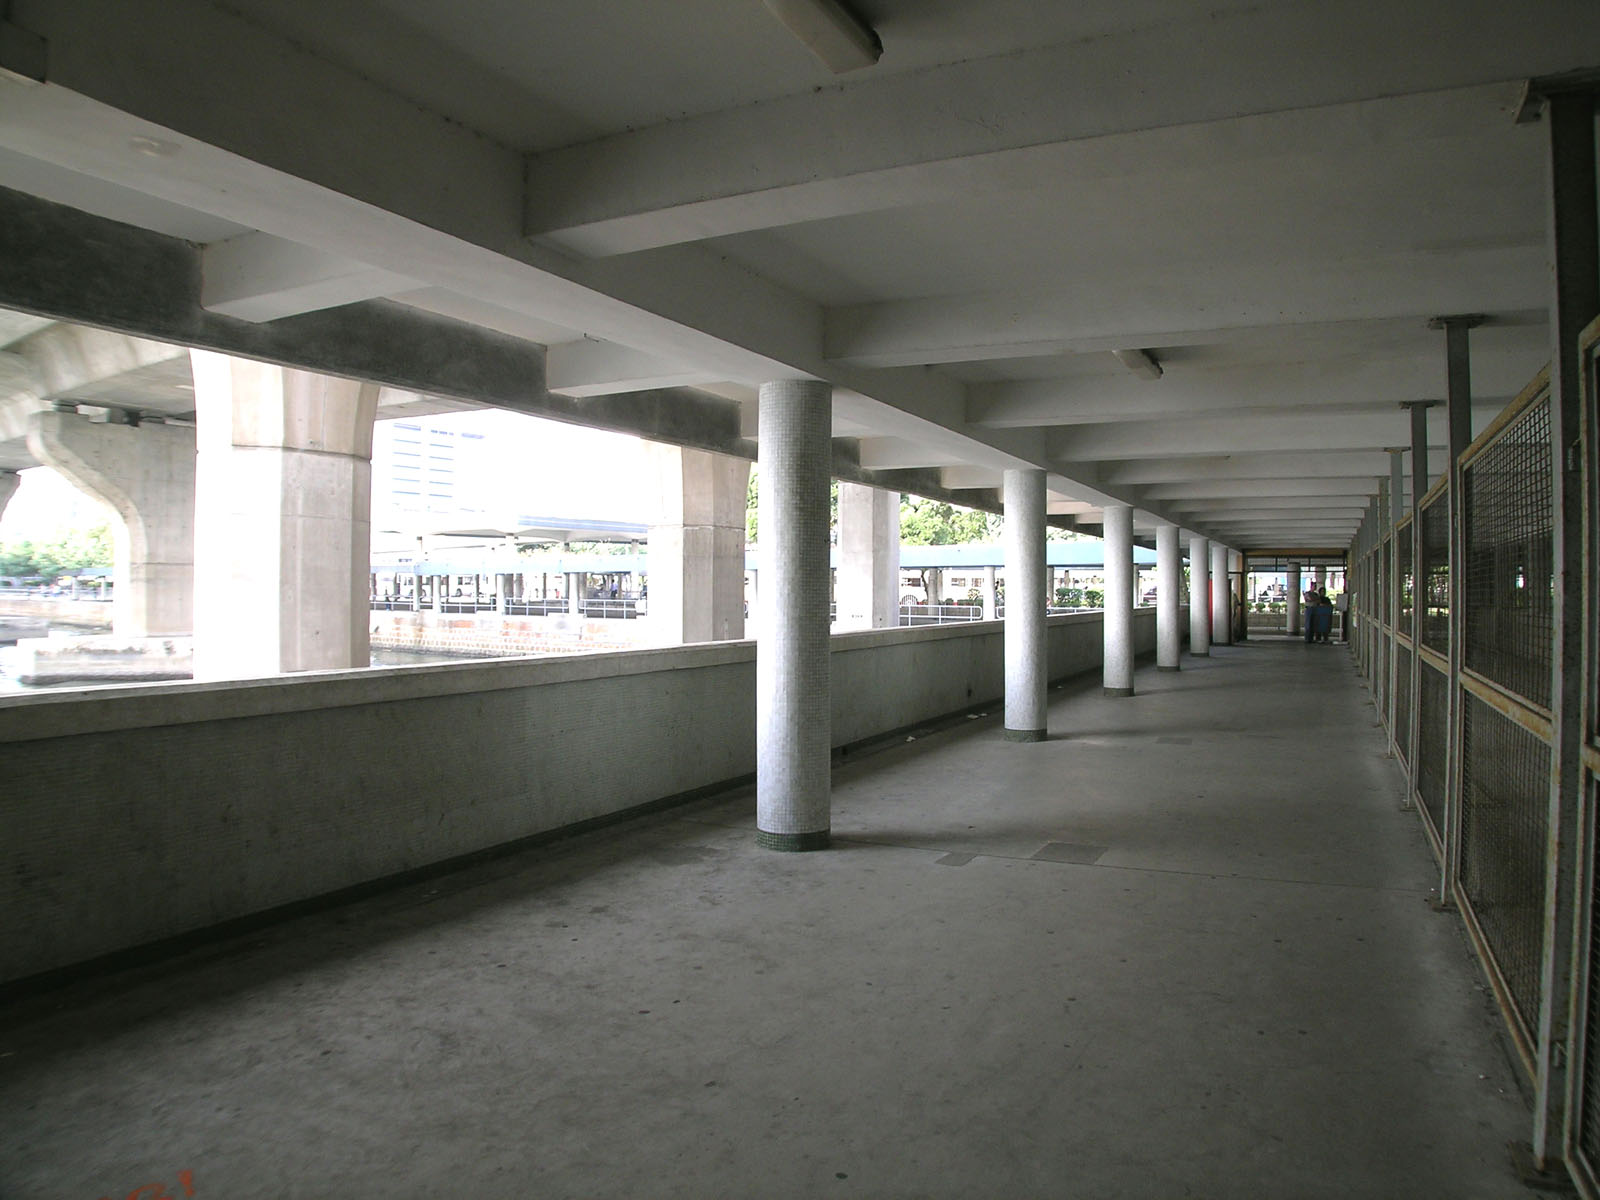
(210,802)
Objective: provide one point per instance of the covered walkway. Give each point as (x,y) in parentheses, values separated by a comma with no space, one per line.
(1182,948)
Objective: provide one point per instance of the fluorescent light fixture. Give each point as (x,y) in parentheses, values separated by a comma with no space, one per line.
(830,31)
(1141,362)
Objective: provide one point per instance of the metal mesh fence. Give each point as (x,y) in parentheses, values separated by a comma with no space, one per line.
(1433,725)
(1404,577)
(1588,1124)
(1505,773)
(1434,573)
(1402,702)
(1509,580)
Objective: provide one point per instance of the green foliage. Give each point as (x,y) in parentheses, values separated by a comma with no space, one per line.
(752,507)
(79,548)
(1094,598)
(925,522)
(1069,597)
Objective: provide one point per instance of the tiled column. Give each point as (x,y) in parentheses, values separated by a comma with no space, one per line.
(793,720)
(1292,594)
(1199,596)
(1221,600)
(1169,575)
(1026,665)
(1118,625)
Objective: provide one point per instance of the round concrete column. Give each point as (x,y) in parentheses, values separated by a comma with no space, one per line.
(793,718)
(1027,665)
(989,606)
(1292,594)
(1169,574)
(1119,600)
(1199,596)
(1221,600)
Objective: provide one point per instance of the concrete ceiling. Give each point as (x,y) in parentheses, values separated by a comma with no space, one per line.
(678,199)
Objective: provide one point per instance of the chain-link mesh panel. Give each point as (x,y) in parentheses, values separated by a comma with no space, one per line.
(1385,576)
(1434,572)
(1404,576)
(1433,724)
(1510,580)
(1505,784)
(1589,1114)
(1402,702)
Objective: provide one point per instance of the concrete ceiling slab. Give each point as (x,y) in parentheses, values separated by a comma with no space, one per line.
(677,197)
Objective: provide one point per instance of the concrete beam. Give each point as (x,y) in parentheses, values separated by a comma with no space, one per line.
(1150,305)
(591,367)
(1265,466)
(1180,494)
(258,277)
(892,140)
(1322,385)
(1287,433)
(80,268)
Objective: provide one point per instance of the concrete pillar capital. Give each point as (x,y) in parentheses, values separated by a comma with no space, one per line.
(146,476)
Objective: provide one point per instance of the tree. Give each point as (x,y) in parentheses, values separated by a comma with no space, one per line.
(72,551)
(925,522)
(752,508)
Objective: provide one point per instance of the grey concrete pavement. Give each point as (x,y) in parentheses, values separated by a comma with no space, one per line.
(1179,948)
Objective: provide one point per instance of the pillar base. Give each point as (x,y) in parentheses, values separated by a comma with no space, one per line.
(793,842)
(1177,668)
(1117,692)
(1199,654)
(1025,735)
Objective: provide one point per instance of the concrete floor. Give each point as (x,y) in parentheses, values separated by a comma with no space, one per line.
(1180,949)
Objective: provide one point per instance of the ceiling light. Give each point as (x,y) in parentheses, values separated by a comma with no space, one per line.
(1141,362)
(830,31)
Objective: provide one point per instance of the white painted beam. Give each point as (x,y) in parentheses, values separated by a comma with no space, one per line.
(1155,306)
(1225,435)
(1265,467)
(1225,489)
(259,277)
(898,139)
(595,367)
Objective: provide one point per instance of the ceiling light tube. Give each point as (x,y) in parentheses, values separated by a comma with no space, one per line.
(1141,362)
(830,31)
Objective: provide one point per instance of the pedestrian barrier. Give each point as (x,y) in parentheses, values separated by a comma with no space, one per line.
(1467,676)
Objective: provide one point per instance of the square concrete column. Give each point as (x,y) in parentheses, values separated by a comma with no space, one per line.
(9,480)
(869,557)
(1027,664)
(146,475)
(1221,598)
(1118,622)
(1292,595)
(990,609)
(1169,577)
(1199,596)
(697,545)
(576,586)
(793,706)
(283,496)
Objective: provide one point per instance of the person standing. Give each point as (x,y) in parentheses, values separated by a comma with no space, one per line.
(1308,602)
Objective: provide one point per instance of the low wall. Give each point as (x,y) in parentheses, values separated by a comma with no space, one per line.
(137,814)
